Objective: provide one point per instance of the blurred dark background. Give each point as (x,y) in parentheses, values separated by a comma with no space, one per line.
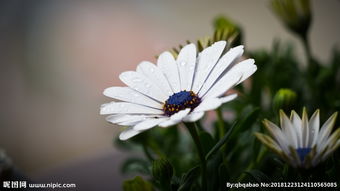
(56,57)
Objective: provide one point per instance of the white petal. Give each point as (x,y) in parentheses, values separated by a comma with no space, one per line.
(175,118)
(122,118)
(168,123)
(129,95)
(149,123)
(246,67)
(236,75)
(278,135)
(128,108)
(128,133)
(326,129)
(180,115)
(331,150)
(167,64)
(186,62)
(228,98)
(297,124)
(314,125)
(305,129)
(130,123)
(288,129)
(222,86)
(143,85)
(194,116)
(224,64)
(208,104)
(331,142)
(155,75)
(206,61)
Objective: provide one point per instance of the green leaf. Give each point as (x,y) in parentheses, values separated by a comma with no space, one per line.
(137,184)
(258,176)
(162,170)
(212,168)
(135,165)
(208,141)
(248,120)
(220,143)
(189,178)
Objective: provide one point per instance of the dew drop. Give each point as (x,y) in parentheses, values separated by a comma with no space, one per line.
(183,63)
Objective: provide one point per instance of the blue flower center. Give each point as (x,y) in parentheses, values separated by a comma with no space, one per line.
(303,152)
(180,101)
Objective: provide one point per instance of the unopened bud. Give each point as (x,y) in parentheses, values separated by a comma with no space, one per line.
(295,14)
(284,99)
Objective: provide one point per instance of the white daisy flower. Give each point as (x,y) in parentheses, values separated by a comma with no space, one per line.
(176,90)
(300,142)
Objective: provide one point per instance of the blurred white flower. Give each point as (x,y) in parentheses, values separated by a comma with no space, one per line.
(176,90)
(300,142)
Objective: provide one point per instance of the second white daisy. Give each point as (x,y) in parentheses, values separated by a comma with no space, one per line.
(302,142)
(176,90)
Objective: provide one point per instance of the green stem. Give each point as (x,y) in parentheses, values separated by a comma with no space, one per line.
(220,122)
(306,46)
(312,66)
(312,69)
(147,153)
(193,132)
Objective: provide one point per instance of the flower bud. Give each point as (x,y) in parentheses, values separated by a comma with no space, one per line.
(162,170)
(295,15)
(284,99)
(226,29)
